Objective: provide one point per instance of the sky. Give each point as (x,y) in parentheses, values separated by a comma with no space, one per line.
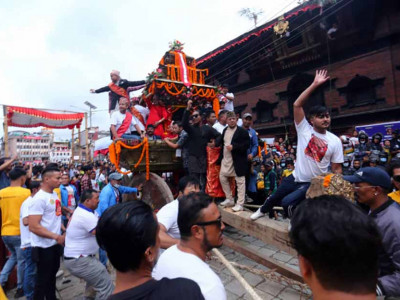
(53,52)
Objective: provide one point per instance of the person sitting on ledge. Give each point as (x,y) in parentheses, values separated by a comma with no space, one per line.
(124,125)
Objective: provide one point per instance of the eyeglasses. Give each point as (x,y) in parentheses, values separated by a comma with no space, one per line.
(195,115)
(321,116)
(396,178)
(217,222)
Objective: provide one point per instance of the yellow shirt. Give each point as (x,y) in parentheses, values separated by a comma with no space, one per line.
(287,172)
(11,199)
(395,196)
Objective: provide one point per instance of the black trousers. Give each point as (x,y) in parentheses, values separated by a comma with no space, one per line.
(48,263)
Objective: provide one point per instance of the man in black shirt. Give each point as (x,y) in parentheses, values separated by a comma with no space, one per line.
(117,88)
(198,137)
(129,234)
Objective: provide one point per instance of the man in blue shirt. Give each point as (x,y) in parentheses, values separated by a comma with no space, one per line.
(110,195)
(252,151)
(69,197)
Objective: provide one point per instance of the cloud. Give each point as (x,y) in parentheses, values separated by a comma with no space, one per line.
(53,52)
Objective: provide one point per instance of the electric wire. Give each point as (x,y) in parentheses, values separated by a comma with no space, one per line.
(292,37)
(274,48)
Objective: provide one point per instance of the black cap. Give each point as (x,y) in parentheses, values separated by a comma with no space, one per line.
(269,163)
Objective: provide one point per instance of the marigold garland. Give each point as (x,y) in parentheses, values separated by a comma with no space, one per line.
(115,152)
(327,180)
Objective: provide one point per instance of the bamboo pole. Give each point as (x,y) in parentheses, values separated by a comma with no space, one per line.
(235,273)
(86,139)
(72,144)
(79,144)
(5,127)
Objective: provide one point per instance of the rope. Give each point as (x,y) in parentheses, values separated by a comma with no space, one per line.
(235,273)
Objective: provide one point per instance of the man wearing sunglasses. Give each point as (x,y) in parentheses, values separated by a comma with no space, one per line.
(199,136)
(394,172)
(371,187)
(317,151)
(201,228)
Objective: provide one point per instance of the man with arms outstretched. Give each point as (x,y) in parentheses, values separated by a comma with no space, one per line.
(317,150)
(117,88)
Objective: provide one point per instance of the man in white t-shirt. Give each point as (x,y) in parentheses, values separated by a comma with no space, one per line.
(201,227)
(221,124)
(318,150)
(95,183)
(227,97)
(168,215)
(30,266)
(124,124)
(81,247)
(45,227)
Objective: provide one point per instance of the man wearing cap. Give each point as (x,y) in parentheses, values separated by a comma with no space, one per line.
(233,159)
(117,89)
(317,151)
(252,151)
(110,195)
(371,187)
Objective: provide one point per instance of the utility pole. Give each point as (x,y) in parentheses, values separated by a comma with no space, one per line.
(91,106)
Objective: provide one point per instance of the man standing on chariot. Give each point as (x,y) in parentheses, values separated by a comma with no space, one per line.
(117,88)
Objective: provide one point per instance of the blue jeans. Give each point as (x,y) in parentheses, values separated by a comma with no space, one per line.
(103,256)
(131,136)
(288,194)
(13,244)
(30,273)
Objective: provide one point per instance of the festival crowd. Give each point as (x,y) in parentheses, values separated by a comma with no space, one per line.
(75,214)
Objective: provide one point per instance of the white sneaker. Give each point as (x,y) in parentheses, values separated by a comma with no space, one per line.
(258,214)
(227,203)
(59,273)
(237,208)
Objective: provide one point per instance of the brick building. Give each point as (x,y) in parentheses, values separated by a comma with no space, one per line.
(357,41)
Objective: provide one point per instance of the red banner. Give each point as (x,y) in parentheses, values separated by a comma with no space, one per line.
(30,117)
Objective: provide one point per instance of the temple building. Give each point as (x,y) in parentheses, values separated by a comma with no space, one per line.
(357,41)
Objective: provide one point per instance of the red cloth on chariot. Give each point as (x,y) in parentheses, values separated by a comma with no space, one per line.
(213,185)
(157,112)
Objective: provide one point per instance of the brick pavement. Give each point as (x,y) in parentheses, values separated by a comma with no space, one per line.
(265,288)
